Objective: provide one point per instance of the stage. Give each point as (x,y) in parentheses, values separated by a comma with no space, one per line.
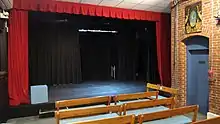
(72,91)
(93,88)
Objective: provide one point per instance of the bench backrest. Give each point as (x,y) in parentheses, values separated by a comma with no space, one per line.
(83,101)
(130,119)
(169,90)
(132,96)
(59,115)
(168,102)
(169,113)
(215,120)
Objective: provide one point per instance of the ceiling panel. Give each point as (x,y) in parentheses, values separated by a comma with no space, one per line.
(156,9)
(111,3)
(141,6)
(95,2)
(126,5)
(152,2)
(133,1)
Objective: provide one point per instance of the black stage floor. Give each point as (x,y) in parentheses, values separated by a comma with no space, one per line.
(93,88)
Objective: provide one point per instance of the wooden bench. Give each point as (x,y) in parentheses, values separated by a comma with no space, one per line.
(129,119)
(148,106)
(173,92)
(83,101)
(173,115)
(85,112)
(123,98)
(215,120)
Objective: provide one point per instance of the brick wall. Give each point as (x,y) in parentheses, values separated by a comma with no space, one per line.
(178,53)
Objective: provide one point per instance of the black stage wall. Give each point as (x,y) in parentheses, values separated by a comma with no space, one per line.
(59,54)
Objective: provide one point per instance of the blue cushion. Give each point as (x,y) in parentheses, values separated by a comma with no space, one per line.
(86,107)
(159,97)
(137,100)
(173,120)
(146,110)
(88,118)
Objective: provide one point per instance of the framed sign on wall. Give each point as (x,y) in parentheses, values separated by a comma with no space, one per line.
(193,18)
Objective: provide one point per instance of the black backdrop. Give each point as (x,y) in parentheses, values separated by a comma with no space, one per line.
(54,54)
(59,54)
(3,47)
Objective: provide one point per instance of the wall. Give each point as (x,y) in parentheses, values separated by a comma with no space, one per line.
(178,53)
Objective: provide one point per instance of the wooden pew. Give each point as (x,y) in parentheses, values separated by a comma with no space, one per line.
(160,103)
(170,113)
(135,96)
(82,101)
(215,120)
(173,92)
(129,119)
(83,112)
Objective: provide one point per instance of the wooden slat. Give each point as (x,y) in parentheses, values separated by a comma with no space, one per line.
(215,120)
(87,111)
(135,96)
(82,101)
(145,104)
(169,113)
(168,90)
(152,86)
(130,119)
(172,91)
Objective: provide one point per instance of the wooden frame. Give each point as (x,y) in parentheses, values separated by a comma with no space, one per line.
(169,102)
(59,115)
(129,119)
(133,96)
(82,101)
(172,91)
(169,113)
(215,120)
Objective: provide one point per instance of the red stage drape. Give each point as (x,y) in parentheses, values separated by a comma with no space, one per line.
(18,57)
(18,38)
(163,33)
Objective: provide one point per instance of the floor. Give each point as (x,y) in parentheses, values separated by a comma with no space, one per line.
(86,89)
(95,88)
(36,120)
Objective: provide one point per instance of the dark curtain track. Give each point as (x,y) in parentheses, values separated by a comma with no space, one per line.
(3,48)
(54,54)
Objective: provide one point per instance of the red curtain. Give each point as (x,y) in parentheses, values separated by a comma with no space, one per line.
(18,57)
(163,33)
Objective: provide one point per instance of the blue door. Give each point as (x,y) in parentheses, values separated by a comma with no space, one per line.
(197,85)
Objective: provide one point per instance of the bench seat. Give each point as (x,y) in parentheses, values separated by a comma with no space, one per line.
(92,106)
(146,110)
(129,101)
(159,97)
(173,120)
(88,118)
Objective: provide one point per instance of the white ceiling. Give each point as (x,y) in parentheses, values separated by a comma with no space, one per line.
(6,4)
(148,5)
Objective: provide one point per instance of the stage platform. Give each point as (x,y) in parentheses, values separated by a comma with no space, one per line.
(94,88)
(81,90)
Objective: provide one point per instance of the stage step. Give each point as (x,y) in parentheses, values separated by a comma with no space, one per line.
(47,110)
(46,114)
